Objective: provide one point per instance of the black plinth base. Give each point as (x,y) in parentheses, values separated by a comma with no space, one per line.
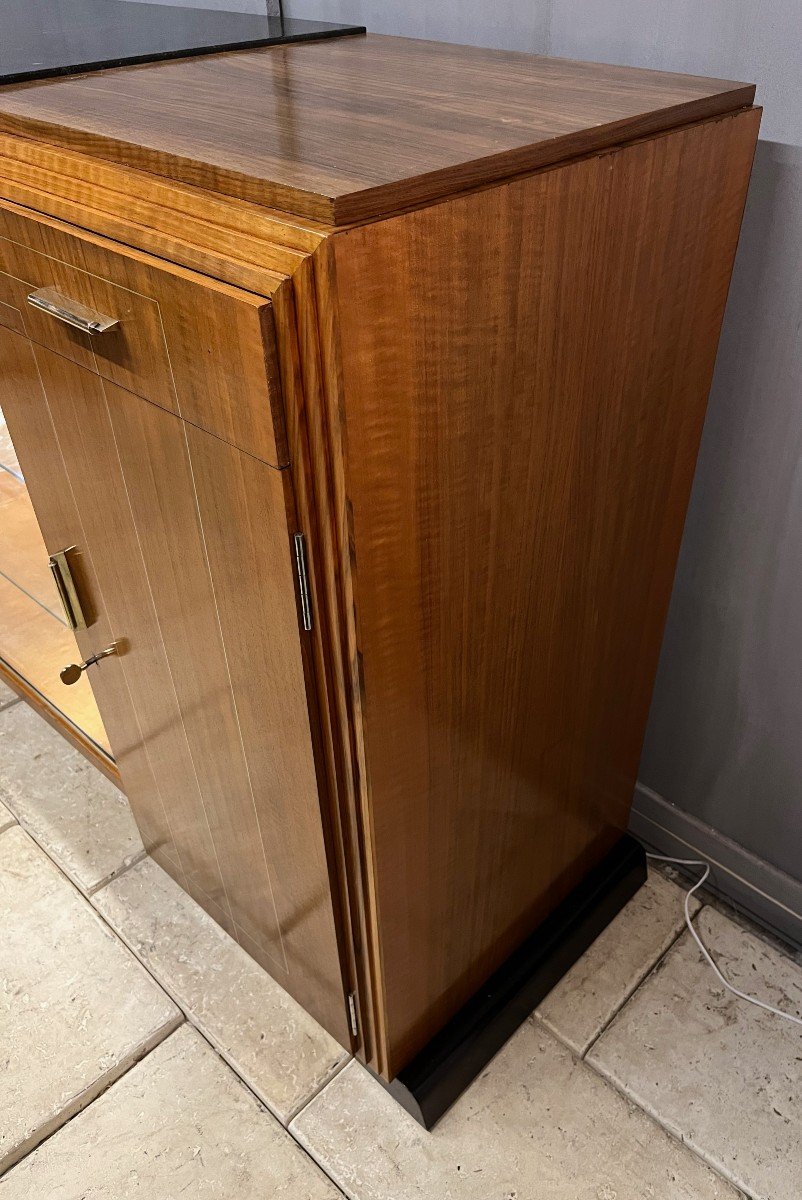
(454,1057)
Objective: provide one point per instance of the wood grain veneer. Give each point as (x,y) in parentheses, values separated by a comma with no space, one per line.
(206,704)
(189,344)
(357,128)
(524,380)
(239,243)
(305,314)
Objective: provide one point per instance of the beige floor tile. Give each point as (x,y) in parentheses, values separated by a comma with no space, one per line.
(589,996)
(7,695)
(536,1125)
(7,817)
(721,1074)
(72,810)
(282,1053)
(76,1008)
(179,1124)
(8,455)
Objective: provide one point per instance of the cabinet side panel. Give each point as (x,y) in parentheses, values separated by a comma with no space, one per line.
(525,373)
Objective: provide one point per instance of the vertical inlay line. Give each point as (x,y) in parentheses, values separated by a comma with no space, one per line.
(142,739)
(234,701)
(146,577)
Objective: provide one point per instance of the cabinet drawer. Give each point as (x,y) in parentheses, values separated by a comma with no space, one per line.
(192,345)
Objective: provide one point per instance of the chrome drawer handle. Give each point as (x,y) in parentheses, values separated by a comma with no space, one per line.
(52,302)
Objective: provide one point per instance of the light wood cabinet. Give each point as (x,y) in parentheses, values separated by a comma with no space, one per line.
(377,485)
(183,558)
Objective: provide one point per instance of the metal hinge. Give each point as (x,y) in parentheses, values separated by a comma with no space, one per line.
(352,1017)
(303,581)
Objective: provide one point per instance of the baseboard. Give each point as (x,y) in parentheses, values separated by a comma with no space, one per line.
(763,892)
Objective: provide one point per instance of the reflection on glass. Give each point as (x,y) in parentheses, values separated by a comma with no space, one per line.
(40,38)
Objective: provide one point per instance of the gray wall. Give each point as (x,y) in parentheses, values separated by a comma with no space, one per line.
(507,24)
(245,6)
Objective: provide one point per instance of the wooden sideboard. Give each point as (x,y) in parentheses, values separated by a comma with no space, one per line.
(375,485)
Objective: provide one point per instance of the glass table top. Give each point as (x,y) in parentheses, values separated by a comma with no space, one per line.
(43,38)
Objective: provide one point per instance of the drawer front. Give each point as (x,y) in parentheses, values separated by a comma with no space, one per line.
(196,347)
(183,558)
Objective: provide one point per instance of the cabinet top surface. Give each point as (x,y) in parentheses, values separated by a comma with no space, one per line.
(350,130)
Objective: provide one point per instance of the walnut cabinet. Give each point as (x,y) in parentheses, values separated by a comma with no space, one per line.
(374,479)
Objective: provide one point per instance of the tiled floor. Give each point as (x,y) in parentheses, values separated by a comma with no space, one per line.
(143,1054)
(71,809)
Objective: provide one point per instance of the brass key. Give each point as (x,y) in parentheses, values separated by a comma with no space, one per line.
(73,672)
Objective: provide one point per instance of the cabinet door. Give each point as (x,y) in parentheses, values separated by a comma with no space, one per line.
(184,559)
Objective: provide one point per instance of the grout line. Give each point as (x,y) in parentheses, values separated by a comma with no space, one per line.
(35,838)
(187,1014)
(88,892)
(186,1017)
(338,1067)
(15,696)
(117,873)
(343,1187)
(305,1150)
(598,1070)
(717,1168)
(540,1024)
(110,1078)
(103,1084)
(192,1019)
(647,975)
(183,1017)
(608,1080)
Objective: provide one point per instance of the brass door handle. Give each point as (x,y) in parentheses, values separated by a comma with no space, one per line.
(67,590)
(73,672)
(52,302)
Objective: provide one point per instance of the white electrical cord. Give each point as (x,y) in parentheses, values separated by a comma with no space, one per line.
(693,862)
